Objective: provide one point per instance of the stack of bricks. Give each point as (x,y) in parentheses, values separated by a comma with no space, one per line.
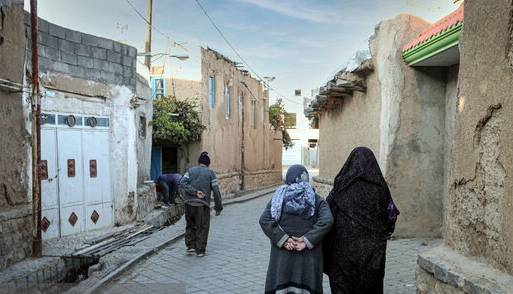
(84,56)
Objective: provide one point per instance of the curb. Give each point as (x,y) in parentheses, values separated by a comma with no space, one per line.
(96,288)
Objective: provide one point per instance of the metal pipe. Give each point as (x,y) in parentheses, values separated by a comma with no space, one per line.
(37,248)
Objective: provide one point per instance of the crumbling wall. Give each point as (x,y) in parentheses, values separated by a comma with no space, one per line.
(412,145)
(480,202)
(352,123)
(15,207)
(144,115)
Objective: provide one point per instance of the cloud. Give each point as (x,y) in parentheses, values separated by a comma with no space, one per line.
(296,10)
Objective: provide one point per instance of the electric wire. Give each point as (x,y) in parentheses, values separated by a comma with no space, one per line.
(239,55)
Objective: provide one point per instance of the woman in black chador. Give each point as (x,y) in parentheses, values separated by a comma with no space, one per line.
(364,216)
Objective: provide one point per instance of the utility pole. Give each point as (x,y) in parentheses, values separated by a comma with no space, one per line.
(37,248)
(147,47)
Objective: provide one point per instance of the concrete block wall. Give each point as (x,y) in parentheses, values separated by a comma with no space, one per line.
(84,56)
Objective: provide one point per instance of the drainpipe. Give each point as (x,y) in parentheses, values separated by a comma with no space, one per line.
(37,248)
(242,151)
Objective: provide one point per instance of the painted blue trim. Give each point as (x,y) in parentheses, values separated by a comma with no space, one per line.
(212,91)
(156,163)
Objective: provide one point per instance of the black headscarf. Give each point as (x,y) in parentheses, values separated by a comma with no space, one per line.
(355,249)
(361,193)
(360,165)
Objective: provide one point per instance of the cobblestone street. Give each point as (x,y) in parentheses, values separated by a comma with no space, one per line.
(236,260)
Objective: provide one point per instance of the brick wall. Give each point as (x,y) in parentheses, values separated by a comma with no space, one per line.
(84,56)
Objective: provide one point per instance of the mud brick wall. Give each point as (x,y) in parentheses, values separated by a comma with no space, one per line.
(15,212)
(479,209)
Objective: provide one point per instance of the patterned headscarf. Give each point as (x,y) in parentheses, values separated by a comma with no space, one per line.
(296,197)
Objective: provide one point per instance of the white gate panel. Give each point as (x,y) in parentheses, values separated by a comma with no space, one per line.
(95,217)
(97,189)
(71,192)
(49,184)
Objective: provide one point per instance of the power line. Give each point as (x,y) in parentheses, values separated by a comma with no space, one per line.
(153,26)
(238,54)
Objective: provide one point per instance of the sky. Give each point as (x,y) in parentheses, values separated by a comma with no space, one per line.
(300,42)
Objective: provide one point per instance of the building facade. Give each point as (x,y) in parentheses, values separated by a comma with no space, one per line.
(434,104)
(303,135)
(95,139)
(402,114)
(244,149)
(477,254)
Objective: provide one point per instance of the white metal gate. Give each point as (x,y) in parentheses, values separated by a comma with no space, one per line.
(76,185)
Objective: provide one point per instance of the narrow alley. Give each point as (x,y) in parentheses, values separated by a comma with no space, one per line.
(237,258)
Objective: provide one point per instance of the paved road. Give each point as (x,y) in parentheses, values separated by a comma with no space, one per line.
(236,261)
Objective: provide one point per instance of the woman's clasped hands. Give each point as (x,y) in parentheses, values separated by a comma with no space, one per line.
(295,243)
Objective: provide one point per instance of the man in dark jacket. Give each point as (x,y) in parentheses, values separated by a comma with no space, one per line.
(169,184)
(198,184)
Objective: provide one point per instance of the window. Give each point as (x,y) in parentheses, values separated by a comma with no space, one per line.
(142,126)
(262,113)
(227,101)
(241,107)
(158,89)
(290,120)
(212,91)
(253,113)
(297,92)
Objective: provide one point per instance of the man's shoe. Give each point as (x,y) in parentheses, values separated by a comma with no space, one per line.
(200,254)
(190,251)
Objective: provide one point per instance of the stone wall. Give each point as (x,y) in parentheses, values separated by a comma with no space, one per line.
(442,270)
(146,199)
(262,179)
(229,183)
(15,235)
(15,183)
(322,186)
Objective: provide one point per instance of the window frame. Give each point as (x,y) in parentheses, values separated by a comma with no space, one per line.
(212,91)
(227,101)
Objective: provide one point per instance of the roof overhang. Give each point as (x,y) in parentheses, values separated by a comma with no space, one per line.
(441,50)
(438,44)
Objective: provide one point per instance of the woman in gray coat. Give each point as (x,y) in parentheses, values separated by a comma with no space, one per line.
(296,220)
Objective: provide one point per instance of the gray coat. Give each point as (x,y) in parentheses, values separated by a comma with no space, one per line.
(293,271)
(201,178)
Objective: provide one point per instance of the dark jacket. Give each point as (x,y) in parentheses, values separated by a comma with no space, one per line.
(201,178)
